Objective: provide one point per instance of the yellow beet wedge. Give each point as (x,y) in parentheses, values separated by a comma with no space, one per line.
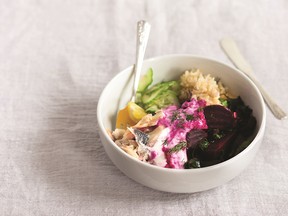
(123,119)
(136,113)
(130,115)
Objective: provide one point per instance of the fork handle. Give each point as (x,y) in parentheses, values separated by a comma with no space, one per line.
(143,31)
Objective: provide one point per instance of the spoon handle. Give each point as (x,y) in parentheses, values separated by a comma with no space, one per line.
(143,31)
(232,51)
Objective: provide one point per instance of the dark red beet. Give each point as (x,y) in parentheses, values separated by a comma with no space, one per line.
(194,137)
(217,147)
(248,128)
(219,117)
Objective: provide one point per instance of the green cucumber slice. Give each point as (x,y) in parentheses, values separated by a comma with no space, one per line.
(145,81)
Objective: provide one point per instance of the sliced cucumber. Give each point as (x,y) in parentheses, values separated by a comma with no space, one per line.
(152,109)
(158,96)
(149,96)
(145,81)
(159,89)
(163,100)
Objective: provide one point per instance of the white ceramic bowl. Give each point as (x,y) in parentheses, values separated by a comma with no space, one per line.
(118,92)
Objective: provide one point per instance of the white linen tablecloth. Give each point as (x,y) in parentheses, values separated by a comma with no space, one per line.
(57,56)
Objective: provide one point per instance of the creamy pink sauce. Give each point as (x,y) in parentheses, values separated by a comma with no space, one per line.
(180,121)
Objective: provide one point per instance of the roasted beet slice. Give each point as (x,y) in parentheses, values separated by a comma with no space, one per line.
(219,117)
(216,148)
(194,137)
(231,150)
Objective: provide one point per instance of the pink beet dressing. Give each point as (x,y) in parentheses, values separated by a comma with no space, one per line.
(180,121)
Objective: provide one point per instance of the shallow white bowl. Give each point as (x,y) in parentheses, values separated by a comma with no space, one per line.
(118,92)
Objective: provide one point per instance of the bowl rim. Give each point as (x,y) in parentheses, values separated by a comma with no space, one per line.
(170,170)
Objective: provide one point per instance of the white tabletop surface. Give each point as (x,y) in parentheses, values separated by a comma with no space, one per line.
(57,56)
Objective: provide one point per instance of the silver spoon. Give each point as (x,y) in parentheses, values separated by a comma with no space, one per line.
(232,51)
(143,31)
